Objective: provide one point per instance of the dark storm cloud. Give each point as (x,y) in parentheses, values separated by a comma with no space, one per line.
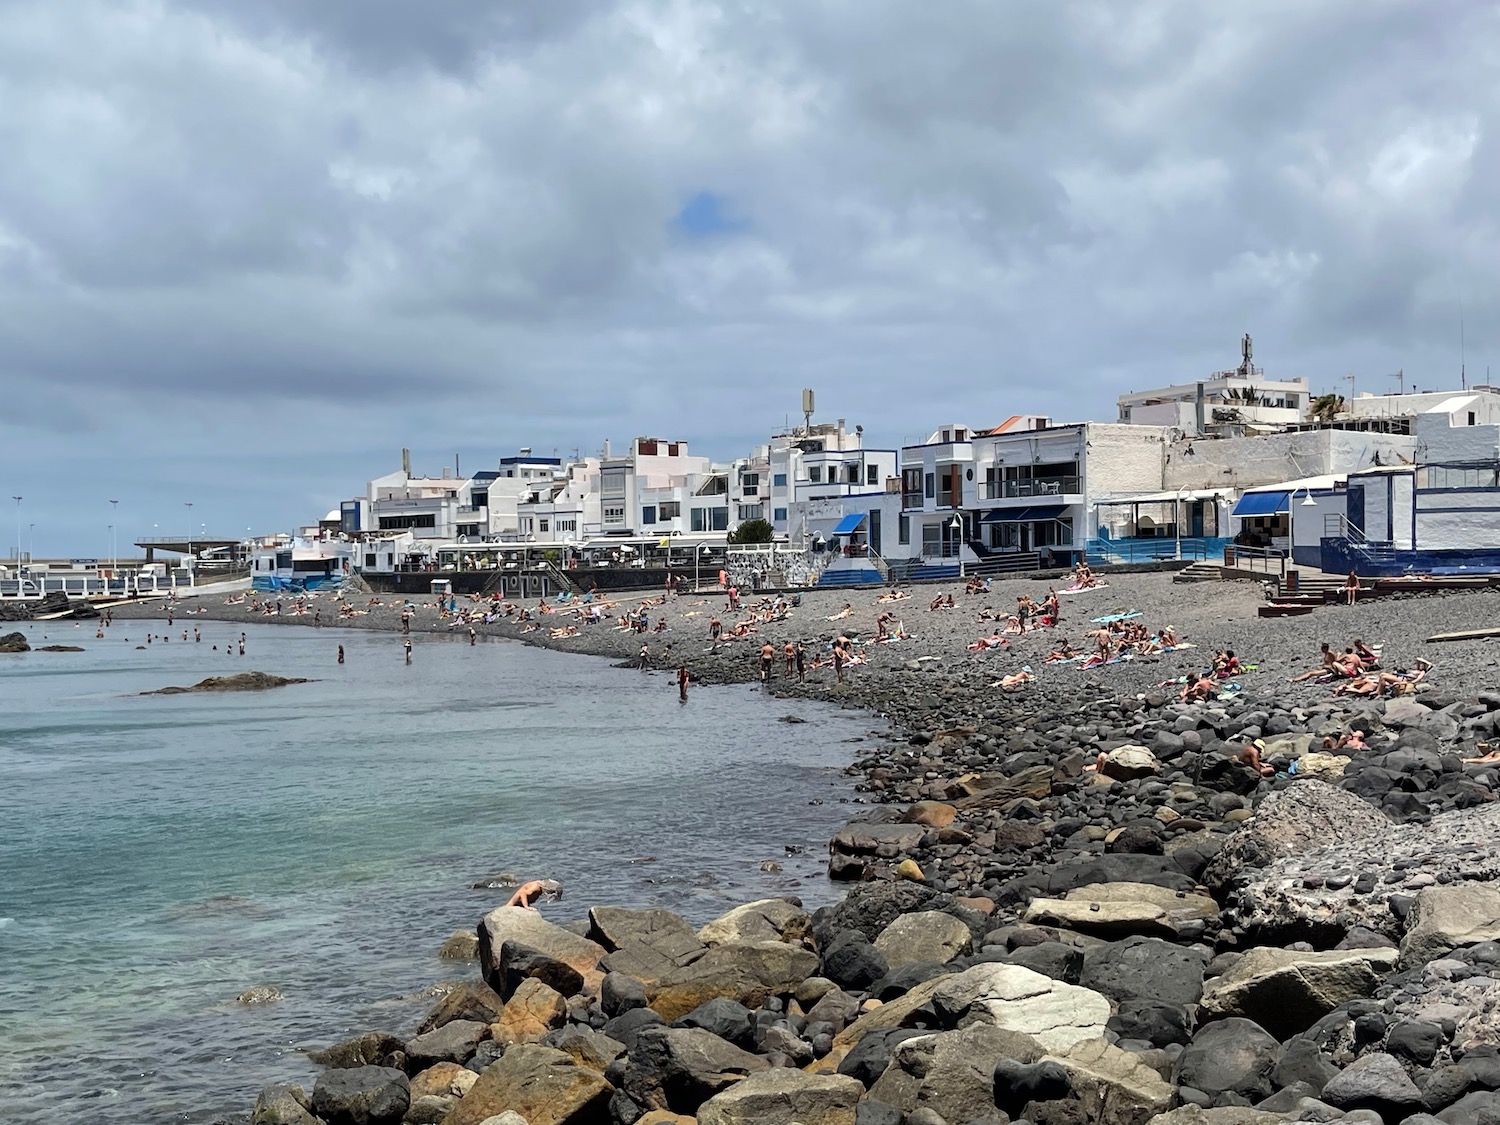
(273,243)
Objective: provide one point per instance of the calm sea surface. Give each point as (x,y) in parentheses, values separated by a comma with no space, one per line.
(160,854)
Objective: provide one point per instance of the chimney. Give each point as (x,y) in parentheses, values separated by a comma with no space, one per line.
(406,462)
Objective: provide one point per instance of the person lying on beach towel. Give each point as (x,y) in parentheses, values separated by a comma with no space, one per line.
(1015,679)
(847,611)
(983,644)
(893,596)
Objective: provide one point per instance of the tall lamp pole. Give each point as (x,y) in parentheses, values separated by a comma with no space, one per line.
(957,527)
(187,557)
(114,546)
(17,499)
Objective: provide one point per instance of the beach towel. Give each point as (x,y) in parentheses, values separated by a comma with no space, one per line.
(1110,618)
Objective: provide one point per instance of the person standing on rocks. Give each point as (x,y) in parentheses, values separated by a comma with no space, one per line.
(767,658)
(801,662)
(645,657)
(838,660)
(789,654)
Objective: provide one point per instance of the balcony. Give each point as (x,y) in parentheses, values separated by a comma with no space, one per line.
(1032,487)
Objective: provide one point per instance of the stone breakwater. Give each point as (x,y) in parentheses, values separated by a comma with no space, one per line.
(1078,902)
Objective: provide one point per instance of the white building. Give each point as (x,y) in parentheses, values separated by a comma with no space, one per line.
(1227,402)
(812,462)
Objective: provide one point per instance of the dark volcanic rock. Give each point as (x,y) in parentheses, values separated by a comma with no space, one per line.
(1233,1056)
(365,1095)
(240,681)
(14,642)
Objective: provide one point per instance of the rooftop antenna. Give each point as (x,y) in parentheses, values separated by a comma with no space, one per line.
(1247,352)
(807,409)
(1463,367)
(1349,378)
(1400,377)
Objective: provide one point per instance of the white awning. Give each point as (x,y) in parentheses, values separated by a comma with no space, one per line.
(1168,497)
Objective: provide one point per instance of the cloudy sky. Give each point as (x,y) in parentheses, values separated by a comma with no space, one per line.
(250,250)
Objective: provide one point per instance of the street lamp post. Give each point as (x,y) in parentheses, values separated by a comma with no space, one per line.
(17,499)
(957,527)
(187,556)
(1291,523)
(1177,523)
(114,546)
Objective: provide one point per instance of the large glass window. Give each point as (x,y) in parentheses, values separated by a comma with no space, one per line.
(669,510)
(778,480)
(648,514)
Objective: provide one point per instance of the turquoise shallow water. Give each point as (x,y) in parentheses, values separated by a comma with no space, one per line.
(160,854)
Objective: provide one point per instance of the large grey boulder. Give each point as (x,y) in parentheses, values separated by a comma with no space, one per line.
(680,1068)
(282,1105)
(1286,991)
(542,1085)
(1232,1056)
(1310,814)
(775,1097)
(951,1073)
(528,928)
(454,1042)
(748,972)
(644,944)
(1115,1087)
(361,1095)
(1374,1081)
(1447,918)
(769,919)
(925,936)
(1143,968)
(1055,1014)
(612,926)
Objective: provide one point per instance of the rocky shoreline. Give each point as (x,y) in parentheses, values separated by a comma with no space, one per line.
(1080,900)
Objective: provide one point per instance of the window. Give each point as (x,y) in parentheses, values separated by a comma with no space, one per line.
(1447,476)
(471,529)
(911,488)
(566,525)
(815,474)
(669,510)
(903,529)
(778,480)
(614,515)
(749,482)
(710,519)
(370,562)
(872,474)
(752,512)
(778,515)
(648,514)
(402,523)
(852,473)
(929,486)
(480,499)
(612,483)
(541,525)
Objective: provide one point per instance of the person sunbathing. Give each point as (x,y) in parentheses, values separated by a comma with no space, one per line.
(847,611)
(994,640)
(1327,667)
(1367,655)
(1199,690)
(1062,653)
(1016,679)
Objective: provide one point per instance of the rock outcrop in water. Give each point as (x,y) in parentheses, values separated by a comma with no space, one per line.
(240,681)
(14,642)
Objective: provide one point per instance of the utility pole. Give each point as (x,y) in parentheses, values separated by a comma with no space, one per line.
(114,549)
(18,499)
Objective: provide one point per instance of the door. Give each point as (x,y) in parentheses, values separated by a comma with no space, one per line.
(1195,519)
(876,543)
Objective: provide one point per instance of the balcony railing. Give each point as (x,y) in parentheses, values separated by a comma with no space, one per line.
(1035,486)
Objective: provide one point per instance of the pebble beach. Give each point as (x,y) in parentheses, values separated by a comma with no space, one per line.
(1073,897)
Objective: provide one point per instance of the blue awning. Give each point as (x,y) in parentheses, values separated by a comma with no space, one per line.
(850,523)
(1024,514)
(1262,503)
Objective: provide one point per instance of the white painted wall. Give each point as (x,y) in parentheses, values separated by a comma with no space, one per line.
(1249,462)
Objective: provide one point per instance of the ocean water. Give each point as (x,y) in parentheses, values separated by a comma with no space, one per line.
(161,854)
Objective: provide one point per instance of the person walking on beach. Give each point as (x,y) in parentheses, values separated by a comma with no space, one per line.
(407,645)
(645,657)
(767,658)
(405,622)
(341,654)
(682,682)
